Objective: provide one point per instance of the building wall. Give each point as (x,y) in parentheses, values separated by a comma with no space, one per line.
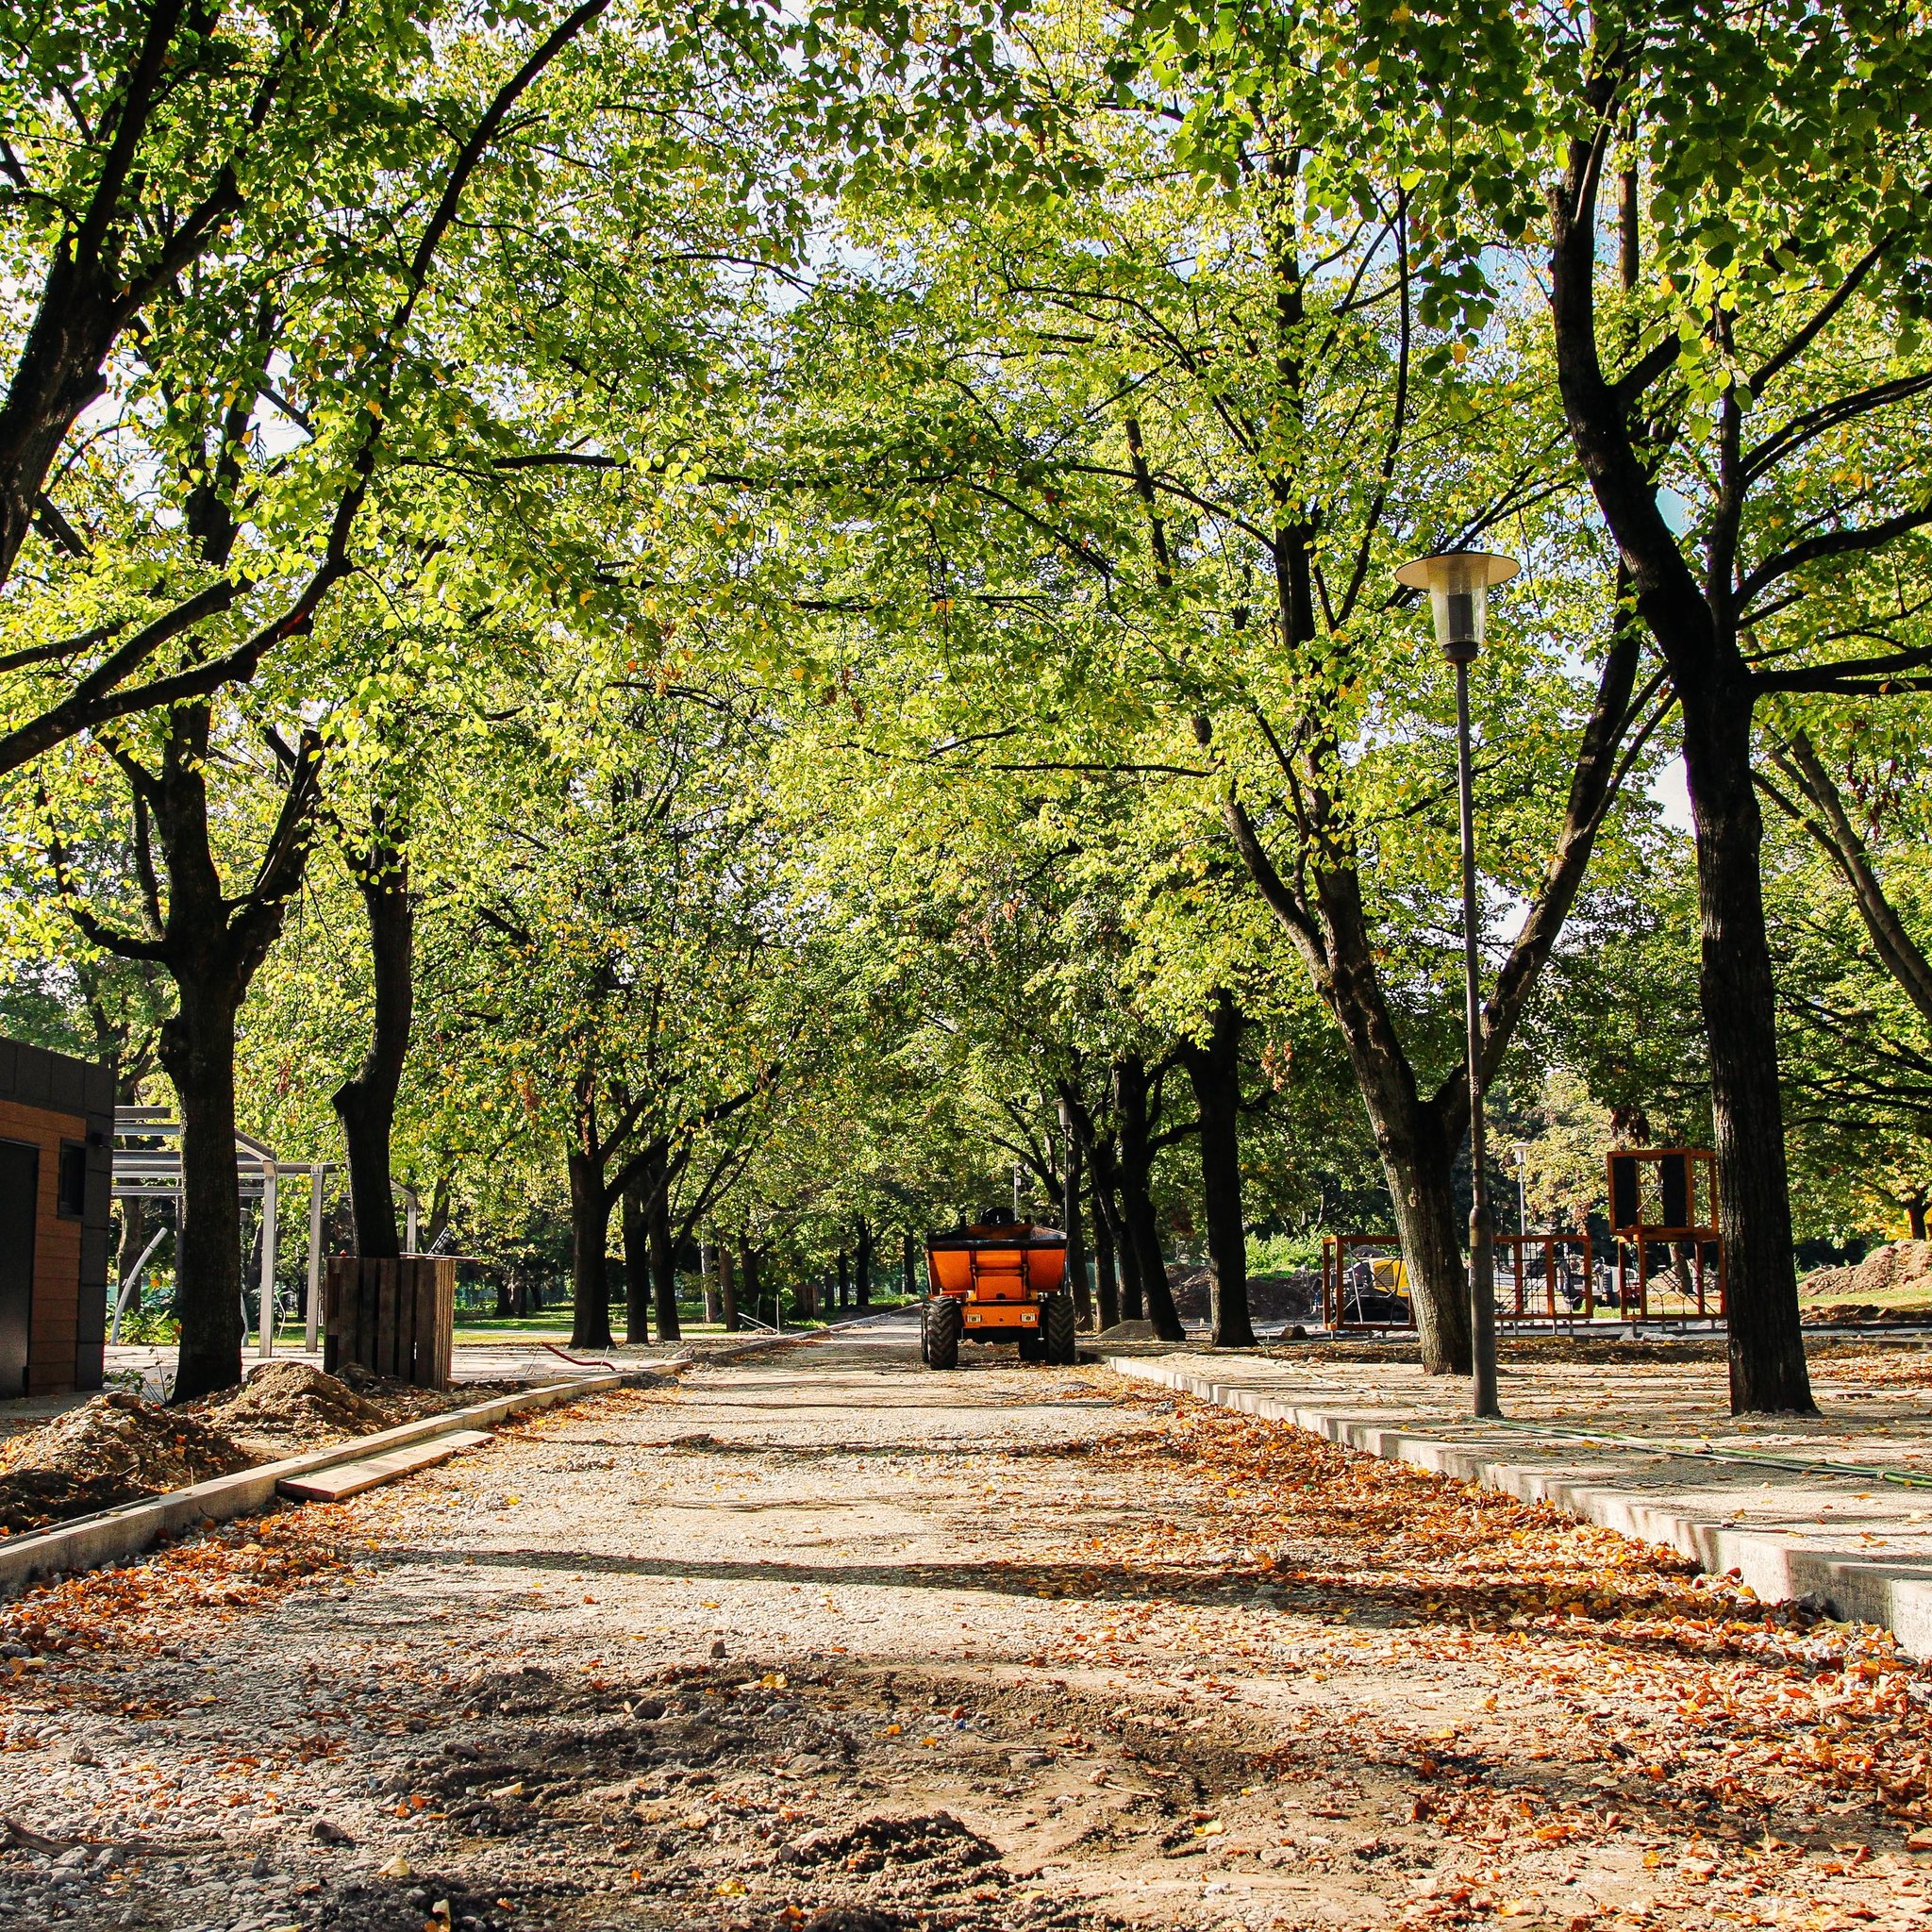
(46,1098)
(54,1334)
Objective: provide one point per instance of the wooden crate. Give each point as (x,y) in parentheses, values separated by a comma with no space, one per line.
(395,1318)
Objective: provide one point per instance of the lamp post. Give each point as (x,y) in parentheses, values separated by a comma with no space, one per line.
(1520,1157)
(1459,585)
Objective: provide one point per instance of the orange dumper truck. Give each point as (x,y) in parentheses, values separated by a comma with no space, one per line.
(996,1280)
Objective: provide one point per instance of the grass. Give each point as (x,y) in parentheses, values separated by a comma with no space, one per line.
(554,1324)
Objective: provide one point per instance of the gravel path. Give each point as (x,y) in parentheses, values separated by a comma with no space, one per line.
(824,1641)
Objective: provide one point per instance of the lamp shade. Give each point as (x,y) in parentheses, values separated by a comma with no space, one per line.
(1458,583)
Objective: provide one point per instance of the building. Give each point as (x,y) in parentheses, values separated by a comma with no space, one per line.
(57,1152)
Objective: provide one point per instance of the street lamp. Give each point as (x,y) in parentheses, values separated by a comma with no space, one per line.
(1520,1157)
(1459,585)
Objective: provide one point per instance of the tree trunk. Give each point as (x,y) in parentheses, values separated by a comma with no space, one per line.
(861,1274)
(728,1287)
(589,1227)
(1695,633)
(1419,1167)
(1915,1217)
(636,1266)
(1738,998)
(909,1261)
(748,1275)
(1140,1226)
(845,1280)
(1215,1072)
(1076,1239)
(198,1051)
(709,1286)
(664,1264)
(366,1102)
(135,1235)
(1107,1293)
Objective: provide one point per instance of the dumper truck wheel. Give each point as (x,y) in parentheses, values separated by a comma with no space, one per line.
(1057,1329)
(943,1334)
(925,1332)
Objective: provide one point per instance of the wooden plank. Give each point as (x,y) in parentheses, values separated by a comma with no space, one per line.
(422,1297)
(367,1282)
(385,1273)
(405,1321)
(446,1319)
(352,1478)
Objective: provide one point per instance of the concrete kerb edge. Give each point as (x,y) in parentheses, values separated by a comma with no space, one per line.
(1895,1595)
(91,1541)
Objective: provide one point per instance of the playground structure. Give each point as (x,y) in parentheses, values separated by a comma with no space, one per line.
(144,1171)
(1667,1196)
(1541,1267)
(997,1280)
(1661,1197)
(1371,1291)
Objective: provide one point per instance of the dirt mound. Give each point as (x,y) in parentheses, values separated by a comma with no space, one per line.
(1828,1314)
(403,1402)
(873,1844)
(1886,1271)
(113,1449)
(288,1406)
(1295,1296)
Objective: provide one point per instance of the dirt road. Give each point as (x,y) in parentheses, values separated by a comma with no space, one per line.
(825,1641)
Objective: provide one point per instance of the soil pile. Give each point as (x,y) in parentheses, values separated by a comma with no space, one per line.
(285,1407)
(1295,1296)
(1898,1267)
(403,1402)
(1838,1314)
(113,1449)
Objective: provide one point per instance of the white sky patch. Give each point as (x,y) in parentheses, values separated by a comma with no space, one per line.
(1672,790)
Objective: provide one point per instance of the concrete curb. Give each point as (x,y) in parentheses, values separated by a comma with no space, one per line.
(1897,1594)
(92,1540)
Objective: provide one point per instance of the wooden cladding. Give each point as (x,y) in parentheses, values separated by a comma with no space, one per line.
(395,1318)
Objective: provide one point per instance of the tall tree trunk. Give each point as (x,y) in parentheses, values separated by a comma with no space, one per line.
(845,1280)
(728,1287)
(589,1229)
(1142,1227)
(1691,614)
(1106,1292)
(1077,1239)
(1126,1260)
(664,1264)
(748,1276)
(1215,1072)
(908,1264)
(135,1235)
(366,1102)
(862,1271)
(198,1051)
(1739,1001)
(708,1284)
(636,1265)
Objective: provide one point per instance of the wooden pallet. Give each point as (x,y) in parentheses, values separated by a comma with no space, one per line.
(395,1318)
(351,1478)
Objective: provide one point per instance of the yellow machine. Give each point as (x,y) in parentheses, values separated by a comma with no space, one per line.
(997,1280)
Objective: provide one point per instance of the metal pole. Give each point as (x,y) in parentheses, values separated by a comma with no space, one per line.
(314,1302)
(412,1208)
(1482,1291)
(265,1348)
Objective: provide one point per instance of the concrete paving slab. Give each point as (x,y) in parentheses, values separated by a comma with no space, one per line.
(1648,1449)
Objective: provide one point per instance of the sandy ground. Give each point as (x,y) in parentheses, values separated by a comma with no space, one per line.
(825,1641)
